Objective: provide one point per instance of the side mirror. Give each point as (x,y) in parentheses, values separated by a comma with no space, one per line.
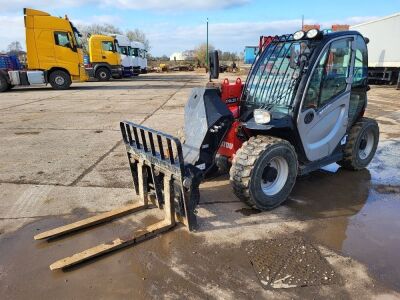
(72,47)
(71,43)
(214,64)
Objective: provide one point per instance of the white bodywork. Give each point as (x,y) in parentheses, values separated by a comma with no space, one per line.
(33,77)
(141,58)
(123,41)
(384,41)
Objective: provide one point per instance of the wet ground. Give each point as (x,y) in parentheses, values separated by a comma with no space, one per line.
(61,159)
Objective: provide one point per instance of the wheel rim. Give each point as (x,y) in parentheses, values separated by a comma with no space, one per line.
(274,176)
(103,75)
(366,144)
(59,80)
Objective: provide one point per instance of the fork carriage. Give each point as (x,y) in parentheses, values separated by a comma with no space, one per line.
(159,179)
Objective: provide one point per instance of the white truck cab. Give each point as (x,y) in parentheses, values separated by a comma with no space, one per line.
(140,57)
(124,48)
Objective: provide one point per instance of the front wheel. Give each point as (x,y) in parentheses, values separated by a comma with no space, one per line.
(361,145)
(103,74)
(264,171)
(60,80)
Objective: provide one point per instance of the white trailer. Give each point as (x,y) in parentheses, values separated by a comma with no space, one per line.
(383,48)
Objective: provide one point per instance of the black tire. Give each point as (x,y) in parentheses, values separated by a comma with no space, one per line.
(60,80)
(359,149)
(103,74)
(4,85)
(252,168)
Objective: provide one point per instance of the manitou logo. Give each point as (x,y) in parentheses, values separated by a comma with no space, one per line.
(227,145)
(231,100)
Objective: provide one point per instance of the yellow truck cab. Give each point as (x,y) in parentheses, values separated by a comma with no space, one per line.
(105,61)
(54,53)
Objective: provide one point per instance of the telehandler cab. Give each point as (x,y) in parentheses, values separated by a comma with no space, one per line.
(300,109)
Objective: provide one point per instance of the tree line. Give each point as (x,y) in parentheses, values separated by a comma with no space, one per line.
(133,35)
(225,56)
(137,35)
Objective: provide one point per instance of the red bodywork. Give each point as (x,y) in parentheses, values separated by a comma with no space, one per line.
(230,95)
(264,42)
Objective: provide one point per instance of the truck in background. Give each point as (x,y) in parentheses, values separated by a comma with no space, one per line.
(383,48)
(104,59)
(54,53)
(140,56)
(124,49)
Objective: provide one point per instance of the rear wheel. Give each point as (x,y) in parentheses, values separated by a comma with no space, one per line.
(103,74)
(60,80)
(361,145)
(4,85)
(264,171)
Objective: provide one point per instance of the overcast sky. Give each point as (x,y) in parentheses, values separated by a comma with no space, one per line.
(179,25)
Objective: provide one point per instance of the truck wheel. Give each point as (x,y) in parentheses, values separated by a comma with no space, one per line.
(361,145)
(264,171)
(103,74)
(4,85)
(60,80)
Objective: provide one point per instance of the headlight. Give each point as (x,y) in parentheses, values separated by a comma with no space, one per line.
(312,33)
(262,116)
(298,35)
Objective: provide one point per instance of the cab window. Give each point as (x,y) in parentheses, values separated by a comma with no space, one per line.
(107,46)
(135,52)
(360,63)
(124,50)
(330,74)
(61,39)
(358,96)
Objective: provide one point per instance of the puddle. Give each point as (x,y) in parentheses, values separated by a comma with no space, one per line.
(176,264)
(247,211)
(358,212)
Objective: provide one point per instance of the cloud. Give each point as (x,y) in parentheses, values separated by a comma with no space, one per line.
(225,36)
(166,38)
(15,31)
(229,36)
(174,4)
(98,19)
(17,5)
(155,5)
(349,21)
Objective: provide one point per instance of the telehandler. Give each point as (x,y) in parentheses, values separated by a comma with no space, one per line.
(301,108)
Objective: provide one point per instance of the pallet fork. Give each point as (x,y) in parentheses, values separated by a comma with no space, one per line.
(159,176)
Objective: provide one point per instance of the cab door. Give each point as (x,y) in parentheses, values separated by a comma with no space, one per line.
(109,53)
(66,53)
(323,116)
